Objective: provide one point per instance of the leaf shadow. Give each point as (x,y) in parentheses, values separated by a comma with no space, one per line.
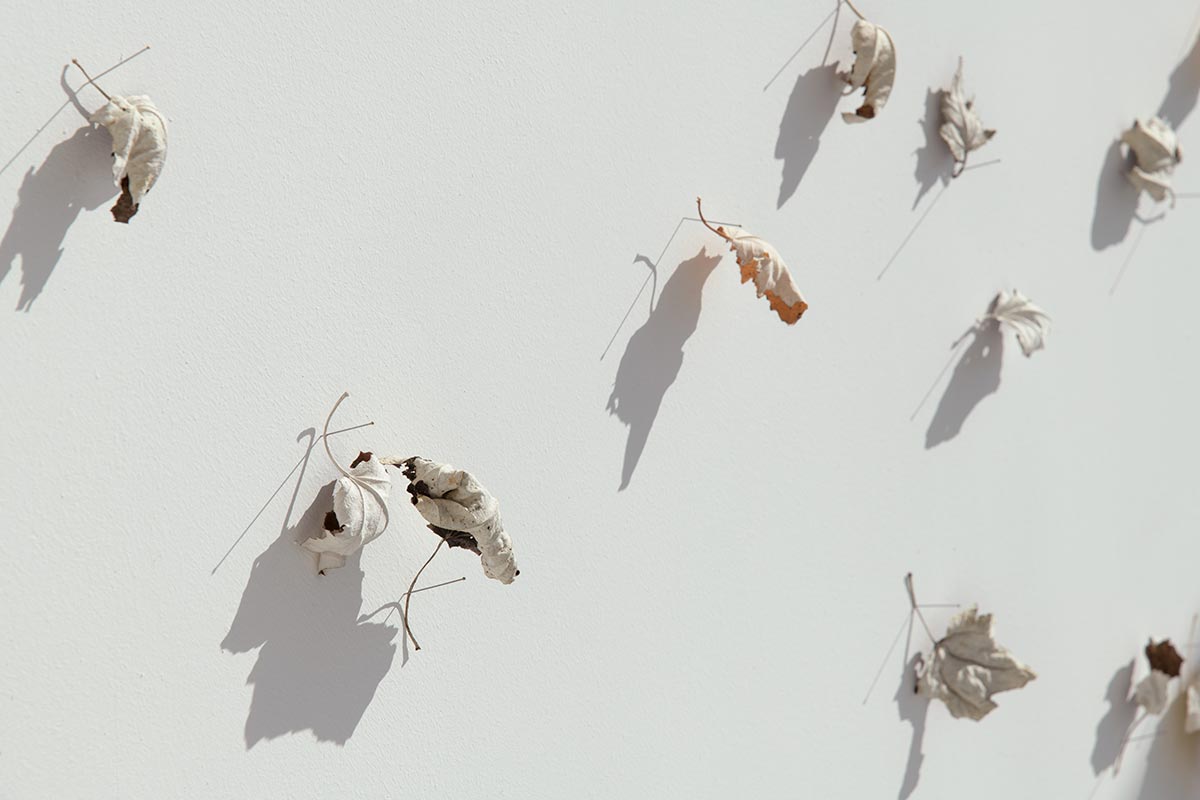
(975,376)
(810,108)
(654,355)
(914,710)
(1173,758)
(1114,726)
(934,160)
(318,667)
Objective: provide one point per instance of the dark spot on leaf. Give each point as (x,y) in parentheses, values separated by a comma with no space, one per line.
(1164,657)
(125,208)
(331,522)
(361,458)
(866,112)
(457,539)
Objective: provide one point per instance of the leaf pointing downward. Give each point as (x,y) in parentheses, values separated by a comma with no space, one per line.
(1155,150)
(139,135)
(967,667)
(961,130)
(874,69)
(1030,323)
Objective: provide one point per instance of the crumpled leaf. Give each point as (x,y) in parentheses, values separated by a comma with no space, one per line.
(1155,149)
(139,134)
(874,69)
(359,513)
(460,510)
(761,262)
(1030,323)
(961,129)
(1150,680)
(967,667)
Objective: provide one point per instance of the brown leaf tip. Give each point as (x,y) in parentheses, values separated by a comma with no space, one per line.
(1164,657)
(866,112)
(361,458)
(331,522)
(125,208)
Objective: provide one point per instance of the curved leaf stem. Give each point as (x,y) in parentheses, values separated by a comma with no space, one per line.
(717,231)
(408,595)
(912,598)
(75,61)
(857,13)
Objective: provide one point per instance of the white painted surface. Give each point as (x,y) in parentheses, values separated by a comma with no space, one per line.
(438,208)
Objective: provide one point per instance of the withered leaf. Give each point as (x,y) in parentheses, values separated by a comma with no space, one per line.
(139,134)
(874,69)
(1164,657)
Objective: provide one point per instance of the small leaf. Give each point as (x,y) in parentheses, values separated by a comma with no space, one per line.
(961,129)
(139,134)
(359,512)
(1155,150)
(967,667)
(1164,658)
(874,69)
(461,511)
(1030,323)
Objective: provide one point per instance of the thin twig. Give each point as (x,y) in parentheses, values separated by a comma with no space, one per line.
(912,598)
(75,61)
(855,10)
(717,231)
(408,595)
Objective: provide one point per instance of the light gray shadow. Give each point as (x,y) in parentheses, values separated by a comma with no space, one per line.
(654,355)
(934,162)
(810,108)
(913,709)
(1114,725)
(976,376)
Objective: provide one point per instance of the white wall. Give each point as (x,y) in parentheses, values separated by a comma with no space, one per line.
(439,208)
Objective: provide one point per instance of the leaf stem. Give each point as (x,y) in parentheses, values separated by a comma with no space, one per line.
(912,598)
(857,13)
(75,61)
(717,231)
(408,595)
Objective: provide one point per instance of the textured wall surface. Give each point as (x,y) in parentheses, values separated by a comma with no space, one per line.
(448,210)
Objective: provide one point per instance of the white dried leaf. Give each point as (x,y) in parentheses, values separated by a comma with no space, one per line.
(1192,722)
(761,262)
(139,134)
(453,500)
(967,667)
(1030,323)
(874,69)
(360,505)
(1151,692)
(1155,149)
(961,129)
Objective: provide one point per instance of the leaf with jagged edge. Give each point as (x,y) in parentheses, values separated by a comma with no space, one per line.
(1030,323)
(961,129)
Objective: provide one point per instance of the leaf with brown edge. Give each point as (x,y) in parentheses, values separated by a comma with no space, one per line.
(457,539)
(1164,657)
(360,458)
(760,262)
(125,208)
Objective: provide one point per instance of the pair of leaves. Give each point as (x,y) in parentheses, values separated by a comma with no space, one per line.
(1155,150)
(961,129)
(139,134)
(1030,323)
(874,69)
(760,262)
(967,667)
(463,513)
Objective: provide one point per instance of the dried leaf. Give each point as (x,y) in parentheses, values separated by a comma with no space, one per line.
(874,69)
(139,134)
(762,263)
(1164,658)
(359,514)
(1030,323)
(961,129)
(1155,150)
(461,511)
(1192,723)
(1152,692)
(967,667)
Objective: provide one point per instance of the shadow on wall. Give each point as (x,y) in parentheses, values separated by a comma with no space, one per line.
(1114,725)
(976,376)
(934,161)
(317,667)
(913,709)
(654,355)
(810,108)
(76,176)
(1173,758)
(1116,198)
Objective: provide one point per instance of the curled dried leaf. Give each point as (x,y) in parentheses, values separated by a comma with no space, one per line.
(139,134)
(1164,658)
(1155,150)
(1153,669)
(967,667)
(359,514)
(463,513)
(874,69)
(961,129)
(760,262)
(1030,323)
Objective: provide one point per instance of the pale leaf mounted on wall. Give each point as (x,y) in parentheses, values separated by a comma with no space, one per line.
(967,667)
(1030,323)
(761,262)
(874,69)
(961,129)
(1150,681)
(139,135)
(1155,150)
